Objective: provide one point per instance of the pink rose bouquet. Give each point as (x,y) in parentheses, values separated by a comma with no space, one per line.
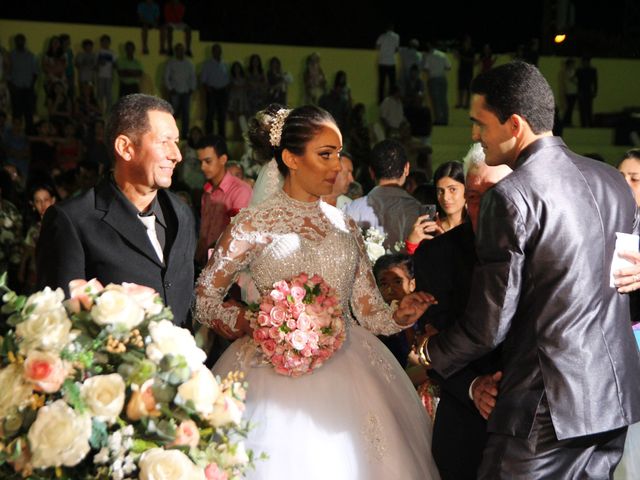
(298,325)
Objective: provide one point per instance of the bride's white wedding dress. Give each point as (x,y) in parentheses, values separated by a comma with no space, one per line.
(356,417)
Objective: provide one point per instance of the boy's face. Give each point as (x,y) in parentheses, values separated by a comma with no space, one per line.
(395,283)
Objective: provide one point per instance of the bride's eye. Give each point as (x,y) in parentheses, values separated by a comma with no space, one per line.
(325,155)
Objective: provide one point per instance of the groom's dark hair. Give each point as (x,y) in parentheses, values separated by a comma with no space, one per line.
(517,87)
(388,159)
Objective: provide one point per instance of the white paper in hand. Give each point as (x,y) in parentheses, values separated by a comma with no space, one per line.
(624,241)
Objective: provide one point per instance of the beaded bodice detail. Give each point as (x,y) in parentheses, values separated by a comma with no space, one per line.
(281,238)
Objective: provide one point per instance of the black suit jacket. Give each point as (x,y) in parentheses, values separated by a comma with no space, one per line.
(545,241)
(95,235)
(444,267)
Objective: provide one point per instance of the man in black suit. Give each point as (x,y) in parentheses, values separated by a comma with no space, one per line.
(443,267)
(108,232)
(545,241)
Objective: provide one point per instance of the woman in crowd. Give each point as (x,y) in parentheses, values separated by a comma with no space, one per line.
(629,167)
(42,197)
(358,416)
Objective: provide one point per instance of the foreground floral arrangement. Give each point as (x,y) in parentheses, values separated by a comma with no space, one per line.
(298,325)
(104,386)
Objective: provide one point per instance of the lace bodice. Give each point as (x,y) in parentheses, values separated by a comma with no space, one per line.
(281,238)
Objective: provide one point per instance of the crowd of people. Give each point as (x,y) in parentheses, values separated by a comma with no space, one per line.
(125,200)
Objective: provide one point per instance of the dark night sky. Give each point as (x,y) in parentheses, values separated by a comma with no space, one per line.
(334,23)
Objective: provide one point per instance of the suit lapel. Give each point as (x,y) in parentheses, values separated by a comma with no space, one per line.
(118,215)
(171,217)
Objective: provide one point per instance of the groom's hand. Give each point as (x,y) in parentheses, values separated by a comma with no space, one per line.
(484,391)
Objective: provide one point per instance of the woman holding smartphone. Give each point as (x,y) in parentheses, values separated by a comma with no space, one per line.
(449,182)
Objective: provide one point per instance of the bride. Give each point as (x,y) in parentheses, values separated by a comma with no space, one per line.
(357,416)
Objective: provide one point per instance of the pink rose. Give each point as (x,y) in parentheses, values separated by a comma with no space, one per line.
(282,287)
(187,434)
(269,347)
(277,360)
(307,351)
(266,307)
(291,324)
(302,278)
(277,295)
(278,316)
(45,370)
(320,299)
(80,291)
(264,319)
(299,339)
(275,333)
(298,293)
(213,472)
(144,296)
(260,335)
(313,339)
(304,322)
(296,309)
(317,279)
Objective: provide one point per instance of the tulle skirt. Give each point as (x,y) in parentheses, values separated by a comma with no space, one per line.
(629,466)
(356,417)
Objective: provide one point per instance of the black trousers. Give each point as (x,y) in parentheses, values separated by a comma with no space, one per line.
(217,99)
(385,72)
(543,456)
(23,103)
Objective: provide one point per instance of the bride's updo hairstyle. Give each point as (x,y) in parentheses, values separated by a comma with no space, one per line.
(276,128)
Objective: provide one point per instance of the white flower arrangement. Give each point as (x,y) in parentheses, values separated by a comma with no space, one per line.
(104,386)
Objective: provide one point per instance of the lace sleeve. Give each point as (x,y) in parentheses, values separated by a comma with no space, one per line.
(367,304)
(235,250)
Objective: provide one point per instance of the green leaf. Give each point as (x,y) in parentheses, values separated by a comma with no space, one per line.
(99,434)
(71,392)
(140,445)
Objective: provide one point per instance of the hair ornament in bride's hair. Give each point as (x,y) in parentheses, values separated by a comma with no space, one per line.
(275,129)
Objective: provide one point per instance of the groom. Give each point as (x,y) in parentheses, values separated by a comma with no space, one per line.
(545,242)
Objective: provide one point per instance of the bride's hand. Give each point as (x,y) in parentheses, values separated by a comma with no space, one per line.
(411,308)
(242,324)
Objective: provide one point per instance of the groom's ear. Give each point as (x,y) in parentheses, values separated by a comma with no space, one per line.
(289,159)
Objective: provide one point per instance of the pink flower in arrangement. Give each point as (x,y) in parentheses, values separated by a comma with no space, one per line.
(297,337)
(298,293)
(278,316)
(213,472)
(282,287)
(296,309)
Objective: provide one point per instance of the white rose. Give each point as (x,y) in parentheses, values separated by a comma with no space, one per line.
(59,436)
(47,327)
(45,300)
(159,464)
(202,389)
(167,338)
(234,455)
(114,307)
(104,396)
(15,392)
(226,410)
(374,251)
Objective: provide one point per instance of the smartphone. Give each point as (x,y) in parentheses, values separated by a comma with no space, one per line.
(430,210)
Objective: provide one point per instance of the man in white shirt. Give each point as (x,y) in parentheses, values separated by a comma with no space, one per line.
(215,81)
(180,80)
(437,64)
(387,45)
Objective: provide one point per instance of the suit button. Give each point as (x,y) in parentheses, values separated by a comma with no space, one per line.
(167,284)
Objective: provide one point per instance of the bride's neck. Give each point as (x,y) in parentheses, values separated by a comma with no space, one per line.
(296,192)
